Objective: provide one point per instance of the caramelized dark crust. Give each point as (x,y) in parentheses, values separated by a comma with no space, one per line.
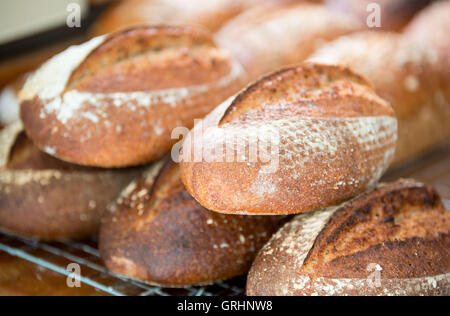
(44,198)
(159,234)
(400,229)
(398,226)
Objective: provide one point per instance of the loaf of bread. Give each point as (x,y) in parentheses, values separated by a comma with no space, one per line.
(42,197)
(210,14)
(404,73)
(157,233)
(295,141)
(269,37)
(394,240)
(113,101)
(394,14)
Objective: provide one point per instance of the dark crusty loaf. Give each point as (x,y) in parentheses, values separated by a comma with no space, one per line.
(406,74)
(299,139)
(113,101)
(157,233)
(394,14)
(394,240)
(210,14)
(269,37)
(42,197)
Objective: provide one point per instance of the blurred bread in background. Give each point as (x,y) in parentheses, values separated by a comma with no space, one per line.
(210,14)
(406,74)
(269,37)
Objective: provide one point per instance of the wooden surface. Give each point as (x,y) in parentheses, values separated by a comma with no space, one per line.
(21,277)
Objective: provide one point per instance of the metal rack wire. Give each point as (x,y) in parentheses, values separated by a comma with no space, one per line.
(434,169)
(57,256)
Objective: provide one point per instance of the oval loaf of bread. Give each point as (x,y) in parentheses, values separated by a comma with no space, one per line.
(113,101)
(298,140)
(42,197)
(394,240)
(414,84)
(269,37)
(157,233)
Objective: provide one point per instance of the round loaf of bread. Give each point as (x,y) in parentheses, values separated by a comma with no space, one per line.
(393,14)
(44,198)
(298,140)
(394,240)
(210,14)
(269,37)
(413,84)
(157,233)
(114,101)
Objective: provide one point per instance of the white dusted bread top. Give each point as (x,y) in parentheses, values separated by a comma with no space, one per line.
(113,101)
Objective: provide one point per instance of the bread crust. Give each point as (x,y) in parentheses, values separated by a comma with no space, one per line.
(400,231)
(332,137)
(43,198)
(114,101)
(413,85)
(157,233)
(209,14)
(269,37)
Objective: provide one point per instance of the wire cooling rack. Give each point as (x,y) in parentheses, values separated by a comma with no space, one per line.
(433,169)
(57,256)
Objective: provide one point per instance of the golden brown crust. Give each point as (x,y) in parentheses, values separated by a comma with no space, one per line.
(267,38)
(116,99)
(400,230)
(41,197)
(330,135)
(406,74)
(394,14)
(158,234)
